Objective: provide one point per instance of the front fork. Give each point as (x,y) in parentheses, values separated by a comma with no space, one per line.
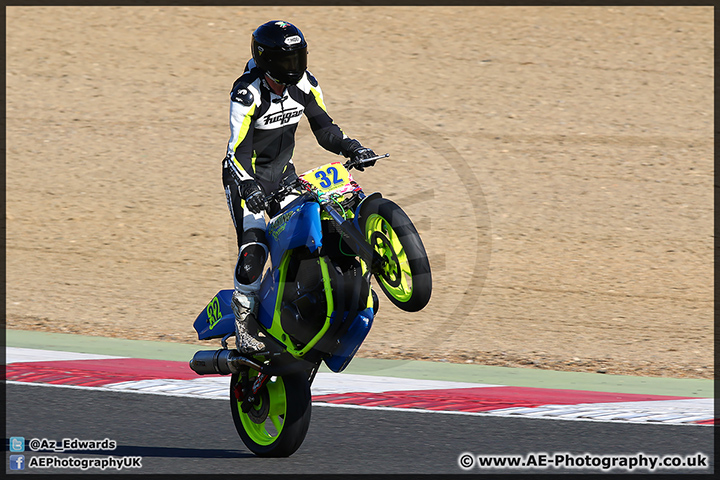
(357,242)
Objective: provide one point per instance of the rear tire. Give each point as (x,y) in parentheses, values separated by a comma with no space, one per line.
(406,279)
(277,423)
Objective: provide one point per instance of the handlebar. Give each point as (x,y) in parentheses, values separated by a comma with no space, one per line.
(350,164)
(282,192)
(357,242)
(286,188)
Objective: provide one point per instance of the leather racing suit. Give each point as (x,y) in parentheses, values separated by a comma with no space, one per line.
(260,149)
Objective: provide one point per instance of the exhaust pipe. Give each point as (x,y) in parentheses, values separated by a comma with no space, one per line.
(226,361)
(220,362)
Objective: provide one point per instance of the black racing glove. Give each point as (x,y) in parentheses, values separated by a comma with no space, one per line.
(253,196)
(352,149)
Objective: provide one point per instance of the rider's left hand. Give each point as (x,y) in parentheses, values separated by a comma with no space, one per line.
(361,154)
(352,149)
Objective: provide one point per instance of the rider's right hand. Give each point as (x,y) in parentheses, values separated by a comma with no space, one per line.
(253,196)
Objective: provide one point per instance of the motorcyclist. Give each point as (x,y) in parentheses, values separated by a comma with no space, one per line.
(274,92)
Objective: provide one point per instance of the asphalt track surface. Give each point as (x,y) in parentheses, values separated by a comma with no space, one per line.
(176,435)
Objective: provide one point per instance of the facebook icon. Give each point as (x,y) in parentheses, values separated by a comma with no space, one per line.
(17,462)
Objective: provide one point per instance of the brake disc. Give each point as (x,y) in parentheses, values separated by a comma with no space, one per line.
(259,415)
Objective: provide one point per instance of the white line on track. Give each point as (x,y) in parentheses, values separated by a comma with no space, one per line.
(24,355)
(359,407)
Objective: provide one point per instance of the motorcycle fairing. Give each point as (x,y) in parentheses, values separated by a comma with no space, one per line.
(351,341)
(298,225)
(295,226)
(270,311)
(217,319)
(219,307)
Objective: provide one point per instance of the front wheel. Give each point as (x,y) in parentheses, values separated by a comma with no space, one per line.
(275,425)
(406,279)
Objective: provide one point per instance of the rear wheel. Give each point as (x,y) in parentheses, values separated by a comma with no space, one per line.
(405,279)
(276,423)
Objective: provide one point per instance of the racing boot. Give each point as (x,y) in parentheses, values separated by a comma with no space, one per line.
(244,307)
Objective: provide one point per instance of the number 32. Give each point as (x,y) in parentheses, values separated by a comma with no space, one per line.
(325,182)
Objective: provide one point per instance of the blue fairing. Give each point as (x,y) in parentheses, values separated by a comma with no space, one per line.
(351,341)
(296,226)
(226,324)
(268,297)
(221,309)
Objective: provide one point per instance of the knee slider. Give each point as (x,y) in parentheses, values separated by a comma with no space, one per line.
(251,262)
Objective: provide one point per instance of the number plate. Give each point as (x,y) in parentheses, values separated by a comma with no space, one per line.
(330,178)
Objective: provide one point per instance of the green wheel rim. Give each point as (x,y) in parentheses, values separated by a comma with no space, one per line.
(268,431)
(399,269)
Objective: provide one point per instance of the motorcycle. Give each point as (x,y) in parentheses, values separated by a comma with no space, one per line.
(317,303)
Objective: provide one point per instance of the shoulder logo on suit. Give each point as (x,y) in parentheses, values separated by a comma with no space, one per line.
(243,96)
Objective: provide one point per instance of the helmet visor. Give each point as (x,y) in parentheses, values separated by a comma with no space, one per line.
(294,62)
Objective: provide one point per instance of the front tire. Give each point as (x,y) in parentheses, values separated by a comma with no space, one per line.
(276,425)
(406,279)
